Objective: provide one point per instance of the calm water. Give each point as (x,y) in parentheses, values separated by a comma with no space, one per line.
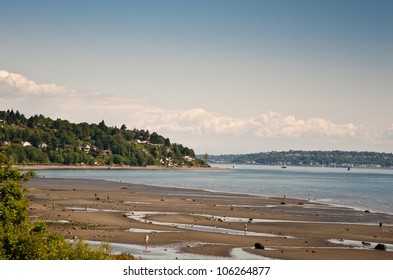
(362,189)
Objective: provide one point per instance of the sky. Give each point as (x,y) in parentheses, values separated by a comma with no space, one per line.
(218,76)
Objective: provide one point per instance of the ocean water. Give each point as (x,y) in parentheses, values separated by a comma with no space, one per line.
(363,189)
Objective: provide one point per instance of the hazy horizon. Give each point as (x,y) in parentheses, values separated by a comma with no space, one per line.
(221,77)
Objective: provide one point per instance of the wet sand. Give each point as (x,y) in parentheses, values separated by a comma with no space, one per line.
(203,225)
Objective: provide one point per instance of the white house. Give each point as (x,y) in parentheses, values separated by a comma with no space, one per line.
(86,148)
(26,144)
(43,145)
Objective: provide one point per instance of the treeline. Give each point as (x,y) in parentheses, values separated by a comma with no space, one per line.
(310,158)
(42,140)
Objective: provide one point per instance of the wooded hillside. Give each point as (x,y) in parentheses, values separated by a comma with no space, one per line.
(42,140)
(309,158)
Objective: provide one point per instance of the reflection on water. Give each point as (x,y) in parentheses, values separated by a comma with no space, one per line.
(173,252)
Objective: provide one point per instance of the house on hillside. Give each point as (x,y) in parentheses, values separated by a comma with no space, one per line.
(43,145)
(106,153)
(26,144)
(86,148)
(188,158)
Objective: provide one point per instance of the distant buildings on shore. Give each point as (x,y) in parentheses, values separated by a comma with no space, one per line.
(338,159)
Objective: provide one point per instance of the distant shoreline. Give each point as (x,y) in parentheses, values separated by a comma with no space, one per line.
(310,158)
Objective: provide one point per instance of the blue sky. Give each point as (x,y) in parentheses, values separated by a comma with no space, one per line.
(217,76)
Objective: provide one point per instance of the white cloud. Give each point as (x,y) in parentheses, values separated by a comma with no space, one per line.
(18,84)
(274,124)
(19,93)
(198,121)
(271,124)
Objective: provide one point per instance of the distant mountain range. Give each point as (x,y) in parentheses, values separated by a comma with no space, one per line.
(308,158)
(42,140)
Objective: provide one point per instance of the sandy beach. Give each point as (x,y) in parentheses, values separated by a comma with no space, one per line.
(203,225)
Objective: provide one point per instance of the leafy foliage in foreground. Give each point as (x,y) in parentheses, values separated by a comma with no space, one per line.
(42,140)
(23,240)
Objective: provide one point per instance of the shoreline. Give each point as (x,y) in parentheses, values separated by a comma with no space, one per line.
(356,207)
(106,167)
(204,223)
(351,213)
(129,167)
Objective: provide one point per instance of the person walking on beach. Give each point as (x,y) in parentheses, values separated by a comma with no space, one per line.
(245,229)
(146,242)
(381,229)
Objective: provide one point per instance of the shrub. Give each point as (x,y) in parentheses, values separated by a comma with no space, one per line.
(23,240)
